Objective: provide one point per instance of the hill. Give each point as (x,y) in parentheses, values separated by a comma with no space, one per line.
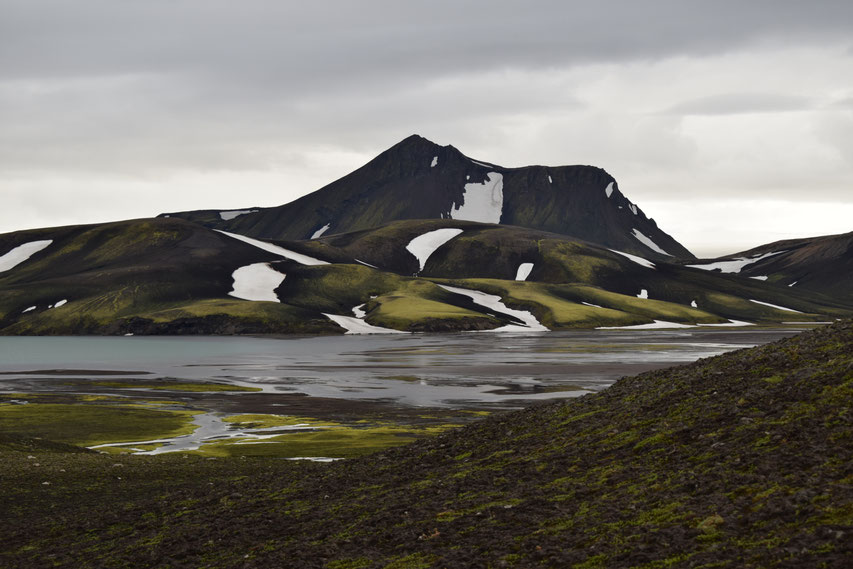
(418,179)
(819,264)
(742,460)
(172,276)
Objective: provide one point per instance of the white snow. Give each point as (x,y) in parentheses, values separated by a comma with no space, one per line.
(550,181)
(648,242)
(793,283)
(425,245)
(775,306)
(761,278)
(286,253)
(256,282)
(730,323)
(693,304)
(359,311)
(633,208)
(354,325)
(482,163)
(228,215)
(482,202)
(30,309)
(21,253)
(590,304)
(734,265)
(523,271)
(434,162)
(366,264)
(60,303)
(636,259)
(643,293)
(320,231)
(609,189)
(493,302)
(654,325)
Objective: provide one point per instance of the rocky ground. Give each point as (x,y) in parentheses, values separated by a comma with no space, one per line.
(742,460)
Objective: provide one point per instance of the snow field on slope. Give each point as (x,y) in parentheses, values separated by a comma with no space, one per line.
(354,325)
(281,251)
(733,265)
(776,306)
(425,245)
(320,231)
(636,259)
(649,243)
(229,215)
(256,282)
(494,302)
(21,253)
(482,202)
(523,272)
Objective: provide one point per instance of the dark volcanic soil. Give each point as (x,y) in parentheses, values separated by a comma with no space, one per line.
(743,460)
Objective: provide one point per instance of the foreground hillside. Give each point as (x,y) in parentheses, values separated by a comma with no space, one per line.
(743,460)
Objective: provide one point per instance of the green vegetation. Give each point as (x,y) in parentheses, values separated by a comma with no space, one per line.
(739,460)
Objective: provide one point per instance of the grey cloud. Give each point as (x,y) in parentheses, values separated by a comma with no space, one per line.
(742,103)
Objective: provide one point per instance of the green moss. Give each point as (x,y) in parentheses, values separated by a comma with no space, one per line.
(413,561)
(89,425)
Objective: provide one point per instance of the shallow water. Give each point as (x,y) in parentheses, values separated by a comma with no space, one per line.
(430,370)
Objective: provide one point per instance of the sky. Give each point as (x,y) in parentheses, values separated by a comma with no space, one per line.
(729,123)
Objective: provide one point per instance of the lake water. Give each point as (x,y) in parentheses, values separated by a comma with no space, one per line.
(458,371)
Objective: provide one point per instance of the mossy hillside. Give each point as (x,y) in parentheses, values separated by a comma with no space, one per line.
(703,465)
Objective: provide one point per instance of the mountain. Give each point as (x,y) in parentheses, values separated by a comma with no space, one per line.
(741,460)
(418,179)
(172,276)
(818,264)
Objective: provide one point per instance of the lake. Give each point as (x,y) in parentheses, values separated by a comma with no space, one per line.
(350,379)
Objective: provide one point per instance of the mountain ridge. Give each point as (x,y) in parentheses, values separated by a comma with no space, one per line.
(418,179)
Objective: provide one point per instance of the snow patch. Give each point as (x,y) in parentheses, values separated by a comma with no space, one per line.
(761,278)
(648,242)
(256,282)
(590,304)
(482,202)
(359,311)
(693,304)
(729,323)
(633,208)
(636,259)
(228,215)
(655,325)
(523,271)
(643,293)
(609,189)
(281,251)
(550,181)
(493,302)
(62,302)
(734,265)
(354,325)
(434,162)
(30,309)
(776,306)
(425,245)
(320,231)
(793,283)
(481,163)
(21,253)
(366,264)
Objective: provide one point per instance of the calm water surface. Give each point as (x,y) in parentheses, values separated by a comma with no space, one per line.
(442,370)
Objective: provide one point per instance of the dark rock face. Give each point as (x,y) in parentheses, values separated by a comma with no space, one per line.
(418,179)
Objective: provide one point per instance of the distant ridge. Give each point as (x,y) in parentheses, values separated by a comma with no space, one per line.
(418,179)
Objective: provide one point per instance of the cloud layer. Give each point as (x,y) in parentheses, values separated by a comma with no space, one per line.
(125,109)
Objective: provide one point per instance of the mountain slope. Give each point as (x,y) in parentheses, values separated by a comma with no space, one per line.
(418,179)
(819,264)
(742,460)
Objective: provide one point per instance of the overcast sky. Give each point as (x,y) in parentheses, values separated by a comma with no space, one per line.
(730,123)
